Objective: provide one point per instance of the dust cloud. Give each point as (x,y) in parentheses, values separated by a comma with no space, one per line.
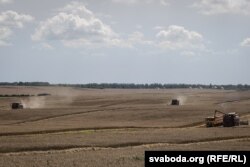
(182,99)
(59,98)
(34,102)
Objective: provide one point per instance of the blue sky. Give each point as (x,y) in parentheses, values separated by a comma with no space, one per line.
(133,41)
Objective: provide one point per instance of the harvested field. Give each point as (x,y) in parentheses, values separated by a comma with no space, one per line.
(113,127)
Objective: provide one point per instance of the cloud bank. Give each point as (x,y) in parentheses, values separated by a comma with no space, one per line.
(213,7)
(5,1)
(10,20)
(245,42)
(75,26)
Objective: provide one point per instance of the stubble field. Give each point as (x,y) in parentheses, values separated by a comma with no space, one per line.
(113,127)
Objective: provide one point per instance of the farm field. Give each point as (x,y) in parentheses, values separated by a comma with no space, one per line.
(113,127)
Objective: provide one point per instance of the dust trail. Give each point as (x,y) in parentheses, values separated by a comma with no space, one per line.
(61,97)
(182,99)
(34,102)
(67,95)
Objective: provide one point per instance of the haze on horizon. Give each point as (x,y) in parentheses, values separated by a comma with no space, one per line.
(132,41)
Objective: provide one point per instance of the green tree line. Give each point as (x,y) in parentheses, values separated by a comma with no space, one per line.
(132,85)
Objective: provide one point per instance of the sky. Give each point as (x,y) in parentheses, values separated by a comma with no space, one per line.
(125,41)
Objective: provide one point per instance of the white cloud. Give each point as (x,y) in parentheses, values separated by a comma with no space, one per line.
(126,1)
(164,2)
(245,42)
(138,26)
(10,20)
(138,38)
(188,53)
(178,38)
(211,7)
(4,35)
(132,2)
(47,46)
(158,28)
(5,1)
(14,19)
(76,26)
(133,40)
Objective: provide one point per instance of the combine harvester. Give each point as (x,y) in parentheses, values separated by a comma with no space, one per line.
(17,106)
(225,119)
(175,102)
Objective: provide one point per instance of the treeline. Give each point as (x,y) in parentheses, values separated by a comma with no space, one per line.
(157,86)
(24,95)
(16,95)
(132,86)
(24,84)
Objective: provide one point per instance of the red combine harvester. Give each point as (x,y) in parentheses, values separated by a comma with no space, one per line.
(221,118)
